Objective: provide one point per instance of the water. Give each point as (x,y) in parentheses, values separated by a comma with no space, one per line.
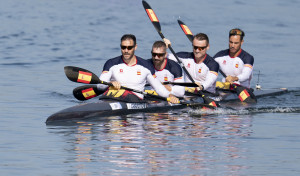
(39,37)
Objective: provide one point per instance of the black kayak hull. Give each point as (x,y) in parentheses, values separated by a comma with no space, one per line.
(109,108)
(103,108)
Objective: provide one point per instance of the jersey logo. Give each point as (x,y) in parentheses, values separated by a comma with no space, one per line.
(199,71)
(138,72)
(224,62)
(236,65)
(121,70)
(166,78)
(189,65)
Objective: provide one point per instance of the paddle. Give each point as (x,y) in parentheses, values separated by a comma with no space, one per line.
(156,25)
(242,92)
(86,92)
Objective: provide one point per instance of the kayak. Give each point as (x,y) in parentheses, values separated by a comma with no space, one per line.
(109,107)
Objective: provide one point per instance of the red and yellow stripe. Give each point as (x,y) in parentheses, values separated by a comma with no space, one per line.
(152,15)
(213,72)
(178,78)
(213,103)
(248,65)
(186,30)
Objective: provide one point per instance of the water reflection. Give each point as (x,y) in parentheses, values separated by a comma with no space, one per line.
(159,143)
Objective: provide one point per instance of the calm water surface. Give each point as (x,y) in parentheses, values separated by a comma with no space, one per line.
(39,37)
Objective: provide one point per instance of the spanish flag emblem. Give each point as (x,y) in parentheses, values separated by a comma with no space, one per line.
(236,65)
(138,73)
(186,30)
(244,95)
(199,71)
(166,78)
(84,77)
(88,93)
(152,15)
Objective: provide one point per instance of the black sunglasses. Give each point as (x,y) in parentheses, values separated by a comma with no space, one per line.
(158,54)
(126,47)
(199,47)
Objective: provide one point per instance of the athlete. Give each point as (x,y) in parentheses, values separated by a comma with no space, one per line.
(166,70)
(131,71)
(234,62)
(202,67)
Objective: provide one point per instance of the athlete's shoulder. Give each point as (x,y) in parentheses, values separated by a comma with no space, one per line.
(111,62)
(146,64)
(246,57)
(211,63)
(174,68)
(222,53)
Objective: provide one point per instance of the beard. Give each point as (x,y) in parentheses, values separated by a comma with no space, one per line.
(128,56)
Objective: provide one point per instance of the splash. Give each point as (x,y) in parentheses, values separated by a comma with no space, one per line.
(252,110)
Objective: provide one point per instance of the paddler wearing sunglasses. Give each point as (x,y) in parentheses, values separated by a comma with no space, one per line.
(234,62)
(201,66)
(130,71)
(166,70)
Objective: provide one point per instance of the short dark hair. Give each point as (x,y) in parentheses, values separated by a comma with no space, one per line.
(237,31)
(129,37)
(201,36)
(158,44)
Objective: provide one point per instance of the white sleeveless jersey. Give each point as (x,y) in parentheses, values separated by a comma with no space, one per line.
(240,66)
(134,77)
(171,72)
(206,72)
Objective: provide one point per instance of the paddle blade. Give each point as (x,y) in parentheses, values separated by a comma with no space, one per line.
(153,18)
(86,92)
(245,95)
(210,102)
(186,30)
(81,75)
